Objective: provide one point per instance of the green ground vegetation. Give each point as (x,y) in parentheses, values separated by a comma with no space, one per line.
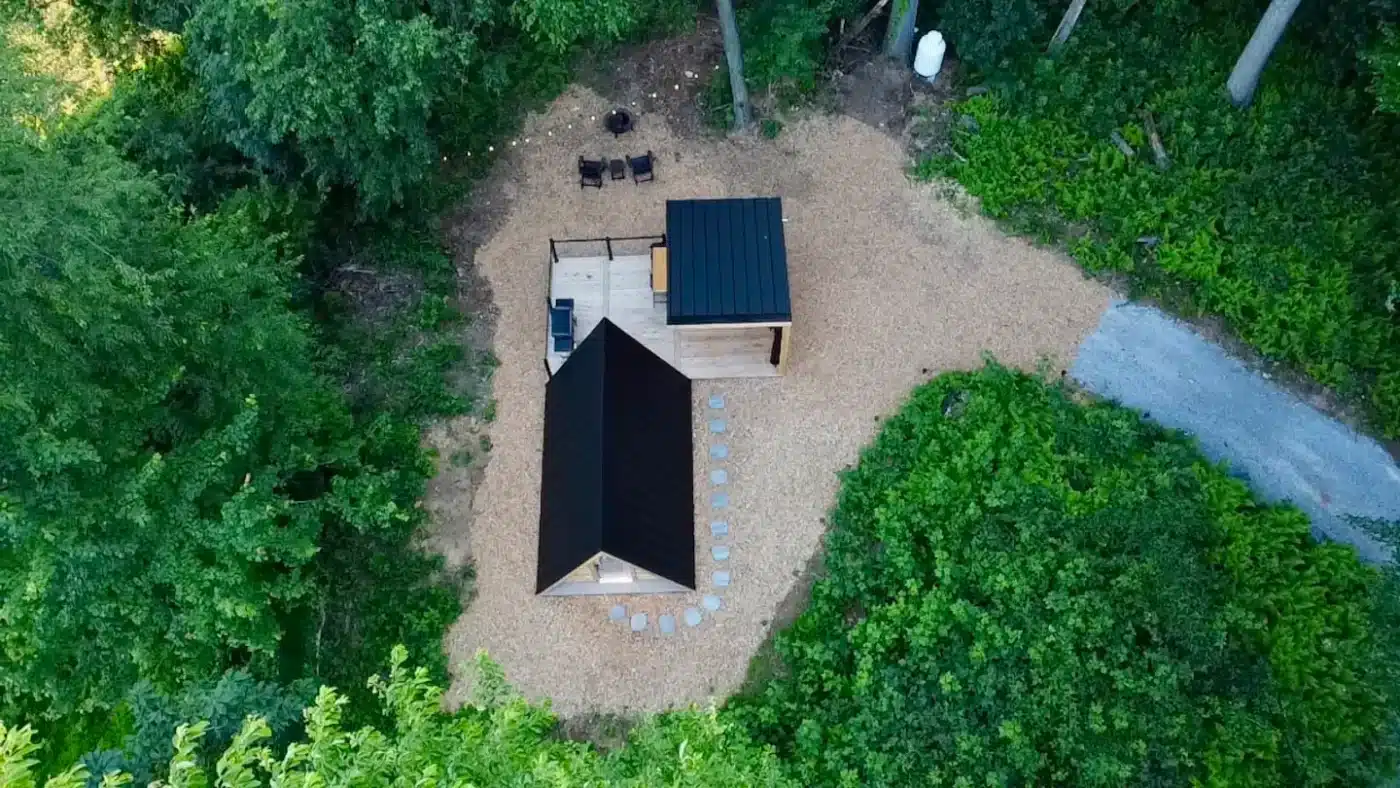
(1280,218)
(1020,589)
(497,739)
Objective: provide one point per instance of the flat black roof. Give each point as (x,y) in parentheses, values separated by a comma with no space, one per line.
(727,262)
(618,464)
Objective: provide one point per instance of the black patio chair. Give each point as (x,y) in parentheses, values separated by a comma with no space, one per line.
(617,169)
(590,172)
(642,168)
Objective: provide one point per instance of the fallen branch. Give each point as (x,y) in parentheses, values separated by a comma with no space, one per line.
(1067,23)
(859,27)
(1121,144)
(1159,151)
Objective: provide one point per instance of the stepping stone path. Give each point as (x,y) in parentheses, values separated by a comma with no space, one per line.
(719,529)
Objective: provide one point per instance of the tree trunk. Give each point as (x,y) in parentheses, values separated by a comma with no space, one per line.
(899,38)
(1245,77)
(1067,23)
(734,55)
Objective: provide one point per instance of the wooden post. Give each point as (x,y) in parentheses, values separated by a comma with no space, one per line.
(785,350)
(733,55)
(1245,76)
(899,37)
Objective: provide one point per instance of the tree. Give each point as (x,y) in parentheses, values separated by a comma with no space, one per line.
(1244,78)
(734,56)
(899,37)
(160,394)
(497,739)
(222,705)
(346,90)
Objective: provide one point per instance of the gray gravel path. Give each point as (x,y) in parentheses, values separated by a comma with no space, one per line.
(1288,450)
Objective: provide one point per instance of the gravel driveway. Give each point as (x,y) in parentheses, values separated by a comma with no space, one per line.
(890,285)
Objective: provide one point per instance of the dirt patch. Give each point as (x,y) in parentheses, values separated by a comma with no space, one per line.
(662,78)
(877,93)
(462,444)
(890,285)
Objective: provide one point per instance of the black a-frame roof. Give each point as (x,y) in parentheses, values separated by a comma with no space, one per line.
(727,262)
(618,467)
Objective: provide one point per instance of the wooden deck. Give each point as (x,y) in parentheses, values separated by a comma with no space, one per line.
(620,290)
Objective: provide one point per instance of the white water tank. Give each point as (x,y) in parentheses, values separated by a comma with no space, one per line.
(928,59)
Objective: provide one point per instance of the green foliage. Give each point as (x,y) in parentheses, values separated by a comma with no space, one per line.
(1385,60)
(785,43)
(347,87)
(144,445)
(1281,219)
(221,705)
(497,739)
(989,33)
(1020,589)
(155,118)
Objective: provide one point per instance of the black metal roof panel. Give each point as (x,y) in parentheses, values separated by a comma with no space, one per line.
(618,463)
(727,261)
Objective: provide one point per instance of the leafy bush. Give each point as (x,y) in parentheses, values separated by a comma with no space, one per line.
(222,705)
(1385,59)
(497,739)
(785,43)
(1283,219)
(1020,589)
(988,34)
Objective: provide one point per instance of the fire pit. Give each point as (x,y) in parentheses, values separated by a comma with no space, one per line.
(619,122)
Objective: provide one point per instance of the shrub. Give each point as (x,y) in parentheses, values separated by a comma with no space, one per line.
(497,739)
(1020,589)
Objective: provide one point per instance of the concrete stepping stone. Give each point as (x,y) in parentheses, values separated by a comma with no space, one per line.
(711,602)
(668,624)
(720,552)
(639,622)
(717,401)
(718,529)
(719,500)
(692,617)
(717,426)
(721,580)
(617,613)
(719,476)
(719,451)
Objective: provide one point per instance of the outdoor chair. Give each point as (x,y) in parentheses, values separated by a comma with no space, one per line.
(642,168)
(618,169)
(590,173)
